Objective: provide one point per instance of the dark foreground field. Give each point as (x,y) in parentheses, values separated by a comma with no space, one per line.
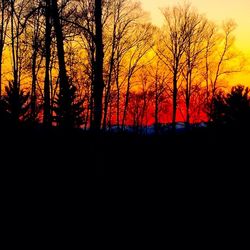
(201,153)
(58,163)
(200,174)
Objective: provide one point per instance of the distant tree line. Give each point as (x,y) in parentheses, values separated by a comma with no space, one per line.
(98,63)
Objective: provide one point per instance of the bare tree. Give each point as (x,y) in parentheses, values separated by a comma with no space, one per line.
(124,15)
(194,52)
(3,29)
(64,98)
(14,44)
(47,102)
(91,26)
(92,55)
(17,37)
(83,20)
(129,15)
(219,52)
(98,84)
(210,42)
(116,9)
(35,60)
(159,78)
(15,95)
(142,43)
(173,46)
(224,55)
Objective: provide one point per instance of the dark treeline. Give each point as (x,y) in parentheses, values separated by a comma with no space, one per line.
(94,64)
(97,64)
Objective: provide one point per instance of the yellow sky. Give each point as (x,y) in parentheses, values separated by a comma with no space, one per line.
(216,10)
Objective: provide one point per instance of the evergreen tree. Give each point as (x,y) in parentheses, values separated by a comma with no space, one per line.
(232,109)
(15,104)
(75,113)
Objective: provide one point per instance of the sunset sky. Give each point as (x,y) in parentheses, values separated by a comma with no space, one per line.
(216,10)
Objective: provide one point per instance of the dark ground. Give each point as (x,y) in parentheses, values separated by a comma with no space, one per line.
(201,153)
(200,161)
(199,178)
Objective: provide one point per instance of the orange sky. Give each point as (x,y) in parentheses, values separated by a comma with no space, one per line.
(216,10)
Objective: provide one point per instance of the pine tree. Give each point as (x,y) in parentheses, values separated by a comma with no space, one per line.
(16,104)
(75,113)
(232,109)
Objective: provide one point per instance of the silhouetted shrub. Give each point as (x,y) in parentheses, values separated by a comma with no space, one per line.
(15,105)
(74,115)
(232,109)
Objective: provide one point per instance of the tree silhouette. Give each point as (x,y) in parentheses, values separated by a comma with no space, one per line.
(98,84)
(75,115)
(3,32)
(173,51)
(15,104)
(103,47)
(238,103)
(47,102)
(65,95)
(232,109)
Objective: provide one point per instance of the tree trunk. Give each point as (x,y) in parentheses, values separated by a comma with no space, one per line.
(47,104)
(14,62)
(64,98)
(118,95)
(34,76)
(118,108)
(1,56)
(91,96)
(111,66)
(156,106)
(1,44)
(126,103)
(188,96)
(187,112)
(175,91)
(33,87)
(110,116)
(107,96)
(14,51)
(98,74)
